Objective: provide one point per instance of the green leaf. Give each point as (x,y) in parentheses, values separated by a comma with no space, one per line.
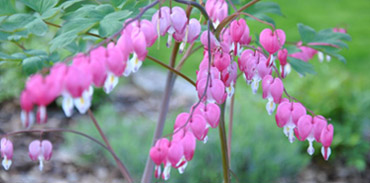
(112,22)
(6,7)
(5,56)
(62,40)
(117,3)
(18,35)
(129,4)
(68,3)
(36,52)
(77,25)
(50,13)
(31,65)
(292,49)
(40,6)
(264,7)
(4,36)
(301,66)
(16,21)
(37,27)
(307,33)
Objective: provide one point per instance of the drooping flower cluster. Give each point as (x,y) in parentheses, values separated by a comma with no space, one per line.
(188,128)
(102,67)
(293,118)
(216,77)
(37,151)
(40,151)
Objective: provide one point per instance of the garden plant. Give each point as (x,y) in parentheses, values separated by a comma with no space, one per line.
(119,33)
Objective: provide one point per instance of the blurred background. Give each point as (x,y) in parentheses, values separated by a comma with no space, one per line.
(260,151)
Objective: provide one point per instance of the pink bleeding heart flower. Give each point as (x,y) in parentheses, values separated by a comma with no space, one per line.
(305,54)
(6,153)
(158,153)
(149,32)
(78,89)
(213,41)
(188,141)
(161,19)
(77,81)
(287,116)
(175,153)
(198,126)
(178,19)
(338,29)
(272,41)
(40,150)
(181,120)
(247,64)
(326,139)
(212,114)
(215,91)
(203,74)
(125,43)
(246,38)
(194,29)
(319,123)
(43,91)
(305,131)
(284,66)
(222,60)
(98,60)
(237,28)
(272,90)
(27,117)
(140,51)
(228,76)
(115,60)
(116,65)
(217,10)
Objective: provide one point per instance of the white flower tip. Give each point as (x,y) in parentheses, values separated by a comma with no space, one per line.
(67,105)
(326,152)
(6,163)
(205,139)
(270,107)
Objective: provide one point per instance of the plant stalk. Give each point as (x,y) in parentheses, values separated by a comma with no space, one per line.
(120,165)
(222,132)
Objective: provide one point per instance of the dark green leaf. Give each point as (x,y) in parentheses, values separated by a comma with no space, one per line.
(50,13)
(150,12)
(116,3)
(5,56)
(77,25)
(69,3)
(112,22)
(129,4)
(40,6)
(4,36)
(6,7)
(31,65)
(36,52)
(301,66)
(62,40)
(80,12)
(19,55)
(16,21)
(263,8)
(37,27)
(18,35)
(307,33)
